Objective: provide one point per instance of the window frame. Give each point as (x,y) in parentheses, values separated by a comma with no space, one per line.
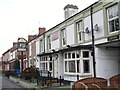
(78,61)
(112,19)
(41,45)
(48,42)
(63,37)
(79,29)
(46,61)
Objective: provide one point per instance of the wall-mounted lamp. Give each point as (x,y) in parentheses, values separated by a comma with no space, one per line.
(96,28)
(87,30)
(68,46)
(53,50)
(56,56)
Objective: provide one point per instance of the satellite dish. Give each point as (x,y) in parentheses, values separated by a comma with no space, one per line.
(96,27)
(87,30)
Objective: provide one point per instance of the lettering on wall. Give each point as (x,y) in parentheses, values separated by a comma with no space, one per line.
(55,36)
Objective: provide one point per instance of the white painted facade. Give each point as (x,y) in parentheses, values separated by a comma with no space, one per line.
(37,52)
(70,34)
(107,63)
(97,19)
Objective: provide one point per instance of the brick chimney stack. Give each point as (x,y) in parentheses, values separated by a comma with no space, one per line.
(31,37)
(41,30)
(14,44)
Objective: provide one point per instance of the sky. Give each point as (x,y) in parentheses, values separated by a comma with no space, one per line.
(20,18)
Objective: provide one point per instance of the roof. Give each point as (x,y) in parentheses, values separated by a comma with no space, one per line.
(6,52)
(68,48)
(64,21)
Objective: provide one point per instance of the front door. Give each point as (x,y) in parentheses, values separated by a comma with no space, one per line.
(55,66)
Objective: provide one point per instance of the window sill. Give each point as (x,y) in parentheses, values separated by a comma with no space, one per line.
(114,33)
(80,74)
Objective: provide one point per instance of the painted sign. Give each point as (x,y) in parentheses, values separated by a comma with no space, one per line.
(55,36)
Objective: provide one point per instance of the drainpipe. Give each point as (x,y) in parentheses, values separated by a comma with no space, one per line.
(93,45)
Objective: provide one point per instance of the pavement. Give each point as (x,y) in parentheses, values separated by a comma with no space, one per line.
(7,84)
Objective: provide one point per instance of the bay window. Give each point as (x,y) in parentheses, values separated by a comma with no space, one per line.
(45,63)
(77,62)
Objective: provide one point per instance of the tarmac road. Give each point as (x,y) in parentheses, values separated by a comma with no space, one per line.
(9,85)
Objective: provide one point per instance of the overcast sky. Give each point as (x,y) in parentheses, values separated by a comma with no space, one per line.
(20,18)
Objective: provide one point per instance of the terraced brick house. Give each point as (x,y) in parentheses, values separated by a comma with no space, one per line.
(33,50)
(10,56)
(5,60)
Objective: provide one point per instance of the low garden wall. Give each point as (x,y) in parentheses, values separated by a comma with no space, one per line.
(23,83)
(97,83)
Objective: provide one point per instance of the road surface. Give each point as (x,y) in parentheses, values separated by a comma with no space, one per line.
(9,85)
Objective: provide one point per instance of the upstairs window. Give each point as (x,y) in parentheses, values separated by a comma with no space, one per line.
(113,20)
(79,30)
(48,42)
(41,45)
(77,62)
(63,37)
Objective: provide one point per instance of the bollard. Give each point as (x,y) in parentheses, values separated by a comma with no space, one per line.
(50,80)
(60,80)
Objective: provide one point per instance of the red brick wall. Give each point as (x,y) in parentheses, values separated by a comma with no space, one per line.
(41,30)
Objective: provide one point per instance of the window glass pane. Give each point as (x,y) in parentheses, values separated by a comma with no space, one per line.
(77,54)
(71,66)
(69,55)
(85,54)
(63,37)
(64,42)
(79,36)
(79,29)
(73,55)
(117,24)
(78,66)
(65,66)
(49,42)
(50,66)
(46,58)
(46,66)
(111,26)
(42,66)
(115,9)
(65,55)
(62,33)
(86,66)
(110,12)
